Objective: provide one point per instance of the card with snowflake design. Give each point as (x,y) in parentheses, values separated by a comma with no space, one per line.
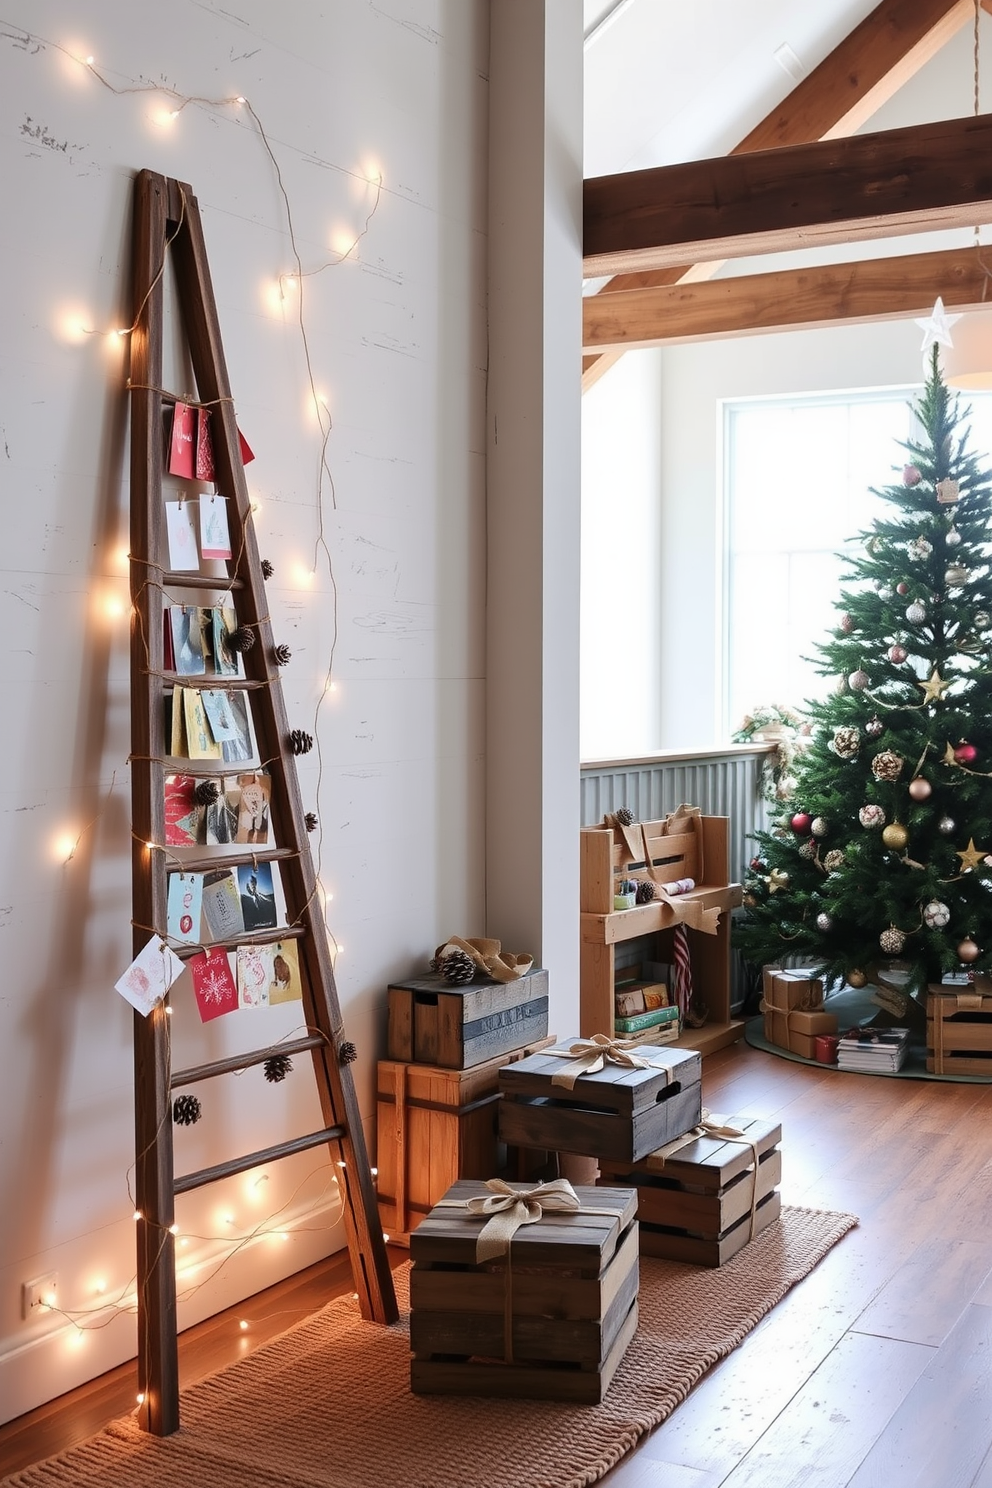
(213,985)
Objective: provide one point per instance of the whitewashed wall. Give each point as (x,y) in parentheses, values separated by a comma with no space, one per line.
(397,336)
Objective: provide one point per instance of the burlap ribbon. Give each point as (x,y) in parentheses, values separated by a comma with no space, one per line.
(588,1056)
(502,966)
(505,1210)
(715,1126)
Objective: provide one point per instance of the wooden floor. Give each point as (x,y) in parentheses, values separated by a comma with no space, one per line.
(874,1372)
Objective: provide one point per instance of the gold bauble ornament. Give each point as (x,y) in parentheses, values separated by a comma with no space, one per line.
(895,836)
(856,979)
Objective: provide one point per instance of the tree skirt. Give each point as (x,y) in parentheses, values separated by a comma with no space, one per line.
(328,1404)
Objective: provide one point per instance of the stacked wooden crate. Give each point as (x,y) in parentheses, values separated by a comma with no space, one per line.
(959,1029)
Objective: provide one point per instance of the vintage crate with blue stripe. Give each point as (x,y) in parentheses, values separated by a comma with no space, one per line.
(431,1022)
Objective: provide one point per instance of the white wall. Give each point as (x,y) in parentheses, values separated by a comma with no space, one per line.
(398,340)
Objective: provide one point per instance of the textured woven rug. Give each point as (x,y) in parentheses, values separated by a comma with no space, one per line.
(328,1404)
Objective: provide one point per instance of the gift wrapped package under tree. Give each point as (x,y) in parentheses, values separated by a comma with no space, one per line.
(793,1010)
(601,1097)
(523,1291)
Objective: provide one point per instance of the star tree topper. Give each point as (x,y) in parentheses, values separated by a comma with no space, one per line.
(936,327)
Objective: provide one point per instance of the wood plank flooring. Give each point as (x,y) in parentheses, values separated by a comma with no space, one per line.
(876,1372)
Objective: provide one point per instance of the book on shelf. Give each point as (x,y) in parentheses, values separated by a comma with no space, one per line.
(640,1022)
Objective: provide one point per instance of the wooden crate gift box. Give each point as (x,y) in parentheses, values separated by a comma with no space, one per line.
(566,1285)
(793,1008)
(959,1029)
(697,1195)
(432,1022)
(432,1127)
(621,1104)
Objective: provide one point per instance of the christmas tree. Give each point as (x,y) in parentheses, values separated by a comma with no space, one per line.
(882,856)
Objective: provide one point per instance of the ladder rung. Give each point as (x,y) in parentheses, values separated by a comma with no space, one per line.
(181,764)
(211,682)
(243,1061)
(255,1159)
(233,860)
(181,580)
(263,937)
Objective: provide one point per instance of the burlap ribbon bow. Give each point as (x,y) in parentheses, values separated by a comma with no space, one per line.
(715,1126)
(508,1208)
(502,966)
(589,1056)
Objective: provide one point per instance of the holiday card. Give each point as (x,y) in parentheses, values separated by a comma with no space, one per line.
(246,453)
(150,975)
(227,661)
(285,984)
(254,791)
(199,741)
(182,536)
(221,816)
(182,814)
(217,706)
(184,904)
(258,900)
(187,640)
(204,448)
(214,987)
(215,536)
(254,975)
(222,905)
(181,443)
(240,746)
(176,723)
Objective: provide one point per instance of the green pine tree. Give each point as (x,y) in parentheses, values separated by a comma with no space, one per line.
(879,856)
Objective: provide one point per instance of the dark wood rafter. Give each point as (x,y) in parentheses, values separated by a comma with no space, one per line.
(871,289)
(862,72)
(167,219)
(926,177)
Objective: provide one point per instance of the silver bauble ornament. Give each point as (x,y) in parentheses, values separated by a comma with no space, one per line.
(892,941)
(833,860)
(819,826)
(874,727)
(858,680)
(968,951)
(887,765)
(953,538)
(946,825)
(916,613)
(824,922)
(936,915)
(871,816)
(920,788)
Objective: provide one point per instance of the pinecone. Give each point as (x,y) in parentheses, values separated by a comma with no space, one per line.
(887,765)
(206,792)
(277,1068)
(241,639)
(300,742)
(186,1110)
(283,656)
(310,821)
(457,968)
(645,891)
(624,816)
(347,1052)
(267,569)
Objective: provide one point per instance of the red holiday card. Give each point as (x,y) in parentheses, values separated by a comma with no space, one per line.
(214,987)
(204,446)
(182,443)
(245,447)
(182,815)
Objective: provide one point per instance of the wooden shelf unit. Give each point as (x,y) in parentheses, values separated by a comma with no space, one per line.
(604,857)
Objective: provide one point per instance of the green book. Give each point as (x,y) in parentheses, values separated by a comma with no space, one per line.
(641,1021)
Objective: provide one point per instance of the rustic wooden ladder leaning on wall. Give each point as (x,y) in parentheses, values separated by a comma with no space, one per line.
(167,221)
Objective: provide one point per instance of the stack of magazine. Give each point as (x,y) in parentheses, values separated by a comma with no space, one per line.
(873,1050)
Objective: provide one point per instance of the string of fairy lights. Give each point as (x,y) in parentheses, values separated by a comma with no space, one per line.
(288,282)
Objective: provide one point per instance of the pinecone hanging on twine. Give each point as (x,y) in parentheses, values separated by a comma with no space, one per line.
(241,639)
(300,742)
(186,1110)
(206,792)
(277,1068)
(347,1052)
(310,821)
(282,654)
(267,569)
(457,968)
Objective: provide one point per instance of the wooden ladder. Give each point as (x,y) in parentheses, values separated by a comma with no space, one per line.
(167,221)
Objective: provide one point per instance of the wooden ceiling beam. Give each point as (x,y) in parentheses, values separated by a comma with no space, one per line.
(862,72)
(872,289)
(926,177)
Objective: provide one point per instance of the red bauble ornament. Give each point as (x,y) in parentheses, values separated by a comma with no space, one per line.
(902,588)
(910,475)
(966,754)
(801,823)
(897,654)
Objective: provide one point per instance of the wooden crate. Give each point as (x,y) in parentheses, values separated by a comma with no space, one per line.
(619,1113)
(694,1199)
(959,1031)
(432,1022)
(573,1295)
(433,1127)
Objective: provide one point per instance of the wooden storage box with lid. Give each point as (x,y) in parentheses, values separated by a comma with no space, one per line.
(567,1288)
(959,1028)
(434,1126)
(693,847)
(432,1022)
(697,1195)
(553,1101)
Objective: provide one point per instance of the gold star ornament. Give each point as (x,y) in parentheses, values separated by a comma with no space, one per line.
(971,857)
(934,687)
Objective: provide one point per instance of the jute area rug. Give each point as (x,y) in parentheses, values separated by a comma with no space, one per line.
(328,1404)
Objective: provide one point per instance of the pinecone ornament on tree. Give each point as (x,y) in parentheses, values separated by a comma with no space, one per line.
(887,765)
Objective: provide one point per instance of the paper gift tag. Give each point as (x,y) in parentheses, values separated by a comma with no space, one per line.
(181,444)
(285,984)
(182,536)
(150,975)
(215,536)
(213,985)
(245,447)
(184,905)
(204,446)
(254,975)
